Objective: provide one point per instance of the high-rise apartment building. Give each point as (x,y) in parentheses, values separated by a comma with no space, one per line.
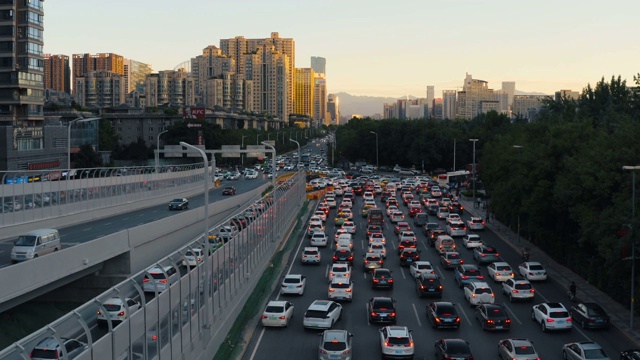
(436,112)
(304,91)
(569,94)
(527,106)
(510,88)
(502,97)
(277,54)
(174,87)
(230,91)
(100,89)
(319,65)
(135,72)
(320,100)
(470,99)
(449,104)
(430,96)
(57,73)
(212,64)
(84,63)
(333,107)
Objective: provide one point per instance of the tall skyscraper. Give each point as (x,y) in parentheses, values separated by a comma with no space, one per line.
(319,65)
(510,88)
(211,64)
(320,100)
(430,97)
(333,107)
(173,87)
(274,50)
(449,103)
(304,87)
(475,98)
(57,73)
(100,89)
(135,72)
(83,63)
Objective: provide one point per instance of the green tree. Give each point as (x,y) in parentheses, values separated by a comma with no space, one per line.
(107,135)
(87,157)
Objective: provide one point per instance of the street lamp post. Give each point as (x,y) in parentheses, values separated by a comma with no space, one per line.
(242,147)
(258,139)
(376,134)
(78,120)
(633,239)
(205,235)
(297,143)
(158,150)
(473,168)
(519,147)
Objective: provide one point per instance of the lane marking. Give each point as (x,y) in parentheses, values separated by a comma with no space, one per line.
(415,311)
(464,314)
(366,309)
(87,229)
(440,272)
(107,223)
(402,271)
(513,314)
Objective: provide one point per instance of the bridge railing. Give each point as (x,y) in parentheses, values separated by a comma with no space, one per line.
(27,196)
(191,318)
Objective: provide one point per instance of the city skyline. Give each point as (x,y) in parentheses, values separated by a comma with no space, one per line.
(543,46)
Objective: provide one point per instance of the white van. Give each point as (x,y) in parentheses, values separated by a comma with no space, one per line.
(35,243)
(445,243)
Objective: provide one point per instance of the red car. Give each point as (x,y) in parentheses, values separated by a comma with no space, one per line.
(229,190)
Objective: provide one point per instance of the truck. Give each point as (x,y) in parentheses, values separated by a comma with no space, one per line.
(375,217)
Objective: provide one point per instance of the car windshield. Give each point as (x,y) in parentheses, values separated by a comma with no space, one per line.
(44,354)
(398,341)
(382,274)
(341,285)
(112,307)
(334,345)
(424,266)
(483,291)
(595,311)
(536,267)
(274,309)
(383,304)
(524,350)
(523,286)
(291,281)
(319,314)
(503,268)
(26,240)
(595,354)
(457,349)
(559,314)
(453,256)
(176,200)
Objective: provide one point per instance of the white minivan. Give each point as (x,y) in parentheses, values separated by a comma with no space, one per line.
(34,244)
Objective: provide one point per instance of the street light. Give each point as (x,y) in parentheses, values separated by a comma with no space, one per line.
(242,147)
(258,139)
(376,134)
(205,235)
(633,238)
(158,150)
(520,147)
(69,140)
(297,143)
(473,168)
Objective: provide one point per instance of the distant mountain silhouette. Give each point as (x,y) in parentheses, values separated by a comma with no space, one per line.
(371,105)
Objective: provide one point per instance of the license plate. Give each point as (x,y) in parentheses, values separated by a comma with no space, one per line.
(498,327)
(399,351)
(560,321)
(432,289)
(334,356)
(447,320)
(273,318)
(599,321)
(383,315)
(291,287)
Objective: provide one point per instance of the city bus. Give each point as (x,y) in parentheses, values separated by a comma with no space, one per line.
(453,177)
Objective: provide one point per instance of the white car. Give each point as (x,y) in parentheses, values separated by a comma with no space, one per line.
(319,238)
(391,209)
(293,284)
(476,224)
(339,270)
(341,288)
(396,216)
(532,271)
(456,228)
(418,268)
(251,175)
(471,241)
(350,226)
(377,238)
(396,342)
(322,314)
(500,271)
(378,249)
(518,289)
(331,202)
(277,313)
(156,278)
(452,217)
(321,215)
(193,257)
(443,212)
(311,255)
(368,195)
(586,350)
(479,293)
(552,316)
(407,235)
(340,231)
(118,309)
(346,203)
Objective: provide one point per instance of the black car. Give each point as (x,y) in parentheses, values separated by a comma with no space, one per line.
(456,208)
(433,209)
(590,316)
(382,310)
(433,236)
(630,354)
(343,255)
(428,285)
(229,190)
(179,204)
(409,255)
(443,314)
(493,317)
(452,349)
(381,278)
(426,229)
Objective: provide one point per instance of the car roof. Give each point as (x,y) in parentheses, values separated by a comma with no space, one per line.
(320,304)
(398,331)
(50,343)
(587,345)
(335,334)
(521,342)
(156,269)
(276,303)
(293,276)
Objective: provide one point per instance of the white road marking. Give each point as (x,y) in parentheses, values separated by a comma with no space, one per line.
(402,271)
(464,314)
(415,311)
(326,271)
(87,229)
(540,294)
(440,272)
(366,309)
(513,315)
(107,223)
(577,327)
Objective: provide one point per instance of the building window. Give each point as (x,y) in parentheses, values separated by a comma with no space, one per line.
(150,129)
(150,138)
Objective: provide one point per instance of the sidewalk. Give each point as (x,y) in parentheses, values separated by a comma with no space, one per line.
(618,313)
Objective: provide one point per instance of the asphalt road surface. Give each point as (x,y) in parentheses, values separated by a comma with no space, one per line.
(295,342)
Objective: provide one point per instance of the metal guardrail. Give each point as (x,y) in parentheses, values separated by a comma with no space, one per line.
(27,196)
(188,320)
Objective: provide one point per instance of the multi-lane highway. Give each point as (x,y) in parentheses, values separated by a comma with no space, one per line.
(80,233)
(297,343)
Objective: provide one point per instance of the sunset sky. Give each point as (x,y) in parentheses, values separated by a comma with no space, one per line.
(374,47)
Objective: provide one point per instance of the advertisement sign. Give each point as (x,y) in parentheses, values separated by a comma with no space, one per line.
(193,113)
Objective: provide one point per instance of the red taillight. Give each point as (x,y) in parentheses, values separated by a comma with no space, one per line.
(550,320)
(98,312)
(282,317)
(335,258)
(164,281)
(264,316)
(480,276)
(331,290)
(464,277)
(508,321)
(348,290)
(121,313)
(145,280)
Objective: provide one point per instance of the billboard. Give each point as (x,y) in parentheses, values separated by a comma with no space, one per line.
(257,151)
(193,113)
(232,151)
